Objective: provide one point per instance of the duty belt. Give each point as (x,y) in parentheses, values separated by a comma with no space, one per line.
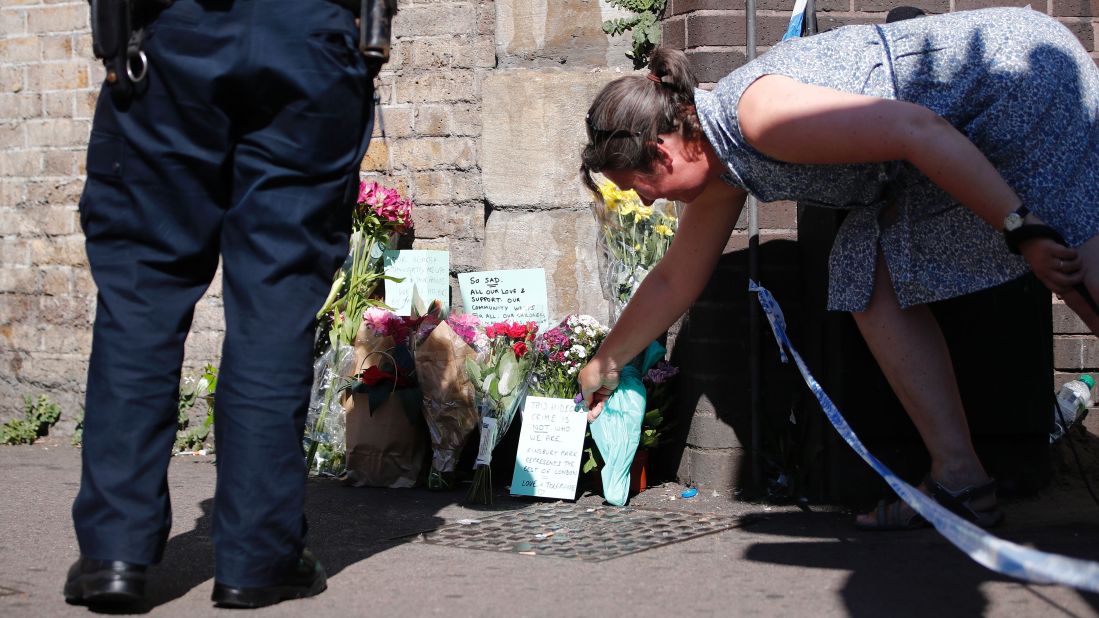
(118,29)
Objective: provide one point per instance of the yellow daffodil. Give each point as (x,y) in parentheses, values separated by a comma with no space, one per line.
(663,230)
(643,212)
(626,208)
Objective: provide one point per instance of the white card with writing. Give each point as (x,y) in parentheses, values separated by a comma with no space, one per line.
(499,295)
(426,278)
(551,442)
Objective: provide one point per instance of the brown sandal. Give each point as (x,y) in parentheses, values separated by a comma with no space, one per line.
(960,502)
(890,516)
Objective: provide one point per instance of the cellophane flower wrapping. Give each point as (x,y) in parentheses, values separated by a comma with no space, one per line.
(617,430)
(561,352)
(449,405)
(380,216)
(632,237)
(500,376)
(325,439)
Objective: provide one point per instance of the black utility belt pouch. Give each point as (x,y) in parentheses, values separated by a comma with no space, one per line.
(375,28)
(117,33)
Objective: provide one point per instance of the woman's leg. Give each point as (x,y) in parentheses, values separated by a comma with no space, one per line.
(909,346)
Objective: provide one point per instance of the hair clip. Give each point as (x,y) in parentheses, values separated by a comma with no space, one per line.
(606,134)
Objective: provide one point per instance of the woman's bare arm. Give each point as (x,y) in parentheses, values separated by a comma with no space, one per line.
(670,288)
(800,123)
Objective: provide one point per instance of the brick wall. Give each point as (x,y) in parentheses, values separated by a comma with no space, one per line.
(48,87)
(47,94)
(430,94)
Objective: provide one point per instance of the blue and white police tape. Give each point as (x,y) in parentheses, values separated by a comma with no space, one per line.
(797,21)
(997,554)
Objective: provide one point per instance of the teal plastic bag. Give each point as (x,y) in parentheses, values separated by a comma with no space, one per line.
(617,430)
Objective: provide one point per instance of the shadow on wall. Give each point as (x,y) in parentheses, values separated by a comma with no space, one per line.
(713,409)
(1005,383)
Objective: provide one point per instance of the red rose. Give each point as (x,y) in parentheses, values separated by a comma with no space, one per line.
(490,331)
(517,331)
(372,376)
(519,348)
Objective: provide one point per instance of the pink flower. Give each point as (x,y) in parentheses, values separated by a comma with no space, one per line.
(465,325)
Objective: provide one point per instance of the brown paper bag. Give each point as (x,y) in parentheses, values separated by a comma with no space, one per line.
(385,448)
(448,405)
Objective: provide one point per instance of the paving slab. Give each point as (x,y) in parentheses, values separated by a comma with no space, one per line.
(375,544)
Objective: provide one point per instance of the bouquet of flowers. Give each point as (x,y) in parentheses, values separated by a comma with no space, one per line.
(632,239)
(448,395)
(386,440)
(380,217)
(499,376)
(562,351)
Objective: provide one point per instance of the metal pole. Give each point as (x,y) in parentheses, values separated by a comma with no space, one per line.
(755,383)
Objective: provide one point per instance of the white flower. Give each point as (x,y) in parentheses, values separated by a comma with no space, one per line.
(572,370)
(578,351)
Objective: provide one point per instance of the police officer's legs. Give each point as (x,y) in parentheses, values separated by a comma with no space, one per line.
(151,213)
(151,227)
(294,175)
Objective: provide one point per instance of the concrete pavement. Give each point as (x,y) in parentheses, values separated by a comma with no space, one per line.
(778,561)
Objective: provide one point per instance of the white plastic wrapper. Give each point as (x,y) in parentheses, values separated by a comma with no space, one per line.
(325,425)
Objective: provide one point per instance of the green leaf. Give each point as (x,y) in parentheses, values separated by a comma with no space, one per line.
(589,462)
(491,386)
(614,27)
(653,34)
(508,368)
(473,370)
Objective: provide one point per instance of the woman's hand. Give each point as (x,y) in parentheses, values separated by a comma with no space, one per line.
(1058,267)
(597,382)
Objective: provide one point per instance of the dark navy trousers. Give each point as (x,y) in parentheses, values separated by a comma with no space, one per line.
(244,143)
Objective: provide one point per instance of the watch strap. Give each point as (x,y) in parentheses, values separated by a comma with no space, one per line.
(1014,238)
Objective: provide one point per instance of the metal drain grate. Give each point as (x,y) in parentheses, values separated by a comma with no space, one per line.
(582,533)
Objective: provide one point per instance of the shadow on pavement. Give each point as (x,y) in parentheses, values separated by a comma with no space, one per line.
(346,525)
(911,573)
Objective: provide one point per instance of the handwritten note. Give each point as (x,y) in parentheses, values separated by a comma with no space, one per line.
(551,442)
(517,295)
(426,278)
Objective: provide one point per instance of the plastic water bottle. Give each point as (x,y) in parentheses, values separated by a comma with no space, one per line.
(1073,400)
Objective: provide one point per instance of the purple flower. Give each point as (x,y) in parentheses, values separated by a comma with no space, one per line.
(661,372)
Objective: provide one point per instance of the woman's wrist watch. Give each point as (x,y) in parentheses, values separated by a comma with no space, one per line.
(1013,228)
(1014,220)
(1016,232)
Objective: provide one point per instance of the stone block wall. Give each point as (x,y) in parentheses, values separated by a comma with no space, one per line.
(493,177)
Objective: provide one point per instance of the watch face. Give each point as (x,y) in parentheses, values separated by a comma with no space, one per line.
(1013,221)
